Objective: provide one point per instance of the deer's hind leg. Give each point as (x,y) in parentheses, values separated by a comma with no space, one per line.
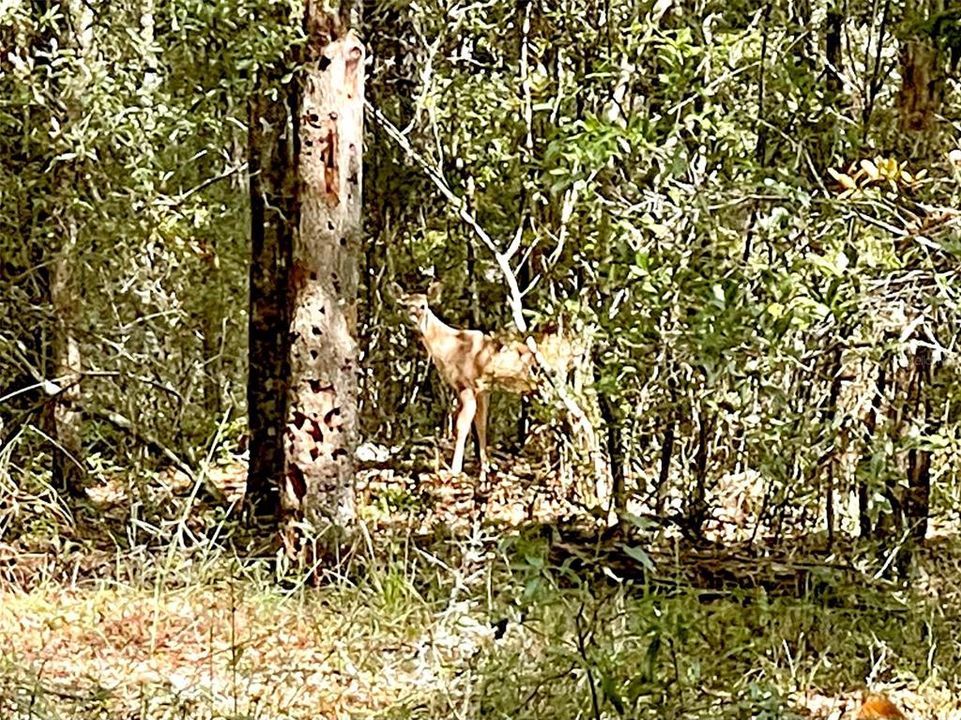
(480,426)
(467,408)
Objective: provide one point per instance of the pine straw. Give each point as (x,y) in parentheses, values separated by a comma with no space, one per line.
(207,652)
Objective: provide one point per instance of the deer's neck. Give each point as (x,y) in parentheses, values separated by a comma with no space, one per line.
(433,329)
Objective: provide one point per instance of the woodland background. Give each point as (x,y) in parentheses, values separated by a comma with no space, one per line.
(748,209)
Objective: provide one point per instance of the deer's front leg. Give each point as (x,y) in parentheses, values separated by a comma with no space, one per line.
(465,416)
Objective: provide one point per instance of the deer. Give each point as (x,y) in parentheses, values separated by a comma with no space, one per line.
(473,363)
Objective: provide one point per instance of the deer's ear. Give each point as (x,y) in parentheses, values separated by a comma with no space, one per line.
(434,291)
(395,291)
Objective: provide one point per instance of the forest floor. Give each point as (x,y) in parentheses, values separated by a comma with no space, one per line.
(153,604)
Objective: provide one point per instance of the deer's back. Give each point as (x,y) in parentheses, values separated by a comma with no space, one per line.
(510,366)
(473,359)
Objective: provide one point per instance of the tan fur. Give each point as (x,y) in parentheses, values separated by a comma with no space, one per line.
(473,363)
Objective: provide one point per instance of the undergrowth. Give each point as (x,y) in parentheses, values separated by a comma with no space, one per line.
(171,614)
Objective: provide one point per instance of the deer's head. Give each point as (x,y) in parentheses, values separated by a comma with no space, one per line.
(416,305)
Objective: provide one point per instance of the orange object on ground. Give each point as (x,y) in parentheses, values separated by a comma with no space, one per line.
(878,707)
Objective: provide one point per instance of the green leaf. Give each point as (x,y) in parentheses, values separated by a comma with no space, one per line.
(641,556)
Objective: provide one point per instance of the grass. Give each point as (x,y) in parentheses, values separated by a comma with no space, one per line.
(119,616)
(416,637)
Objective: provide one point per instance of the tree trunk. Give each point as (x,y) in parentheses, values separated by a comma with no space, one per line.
(272,140)
(615,451)
(827,422)
(64,360)
(63,419)
(832,54)
(917,498)
(211,318)
(922,81)
(696,510)
(865,464)
(919,99)
(661,489)
(322,394)
(833,100)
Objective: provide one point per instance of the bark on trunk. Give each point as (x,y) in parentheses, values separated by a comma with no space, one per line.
(917,498)
(870,427)
(274,211)
(697,504)
(661,489)
(64,418)
(832,54)
(322,396)
(211,319)
(919,99)
(833,100)
(827,421)
(922,81)
(615,451)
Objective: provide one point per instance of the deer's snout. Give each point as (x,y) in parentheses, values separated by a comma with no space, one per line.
(416,307)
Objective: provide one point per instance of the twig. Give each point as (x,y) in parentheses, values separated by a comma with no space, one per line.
(582,651)
(123,423)
(180,199)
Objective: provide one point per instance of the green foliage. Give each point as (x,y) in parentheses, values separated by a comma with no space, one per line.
(683,184)
(766,266)
(676,192)
(137,137)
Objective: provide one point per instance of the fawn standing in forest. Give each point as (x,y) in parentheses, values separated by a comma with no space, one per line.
(473,363)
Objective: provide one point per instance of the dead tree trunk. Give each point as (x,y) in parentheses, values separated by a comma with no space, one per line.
(322,394)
